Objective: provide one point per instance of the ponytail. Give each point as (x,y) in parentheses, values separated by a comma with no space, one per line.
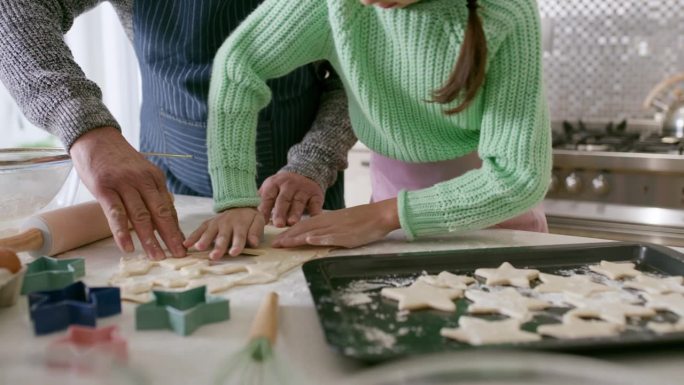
(469,73)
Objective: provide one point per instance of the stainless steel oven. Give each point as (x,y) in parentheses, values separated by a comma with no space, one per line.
(617,180)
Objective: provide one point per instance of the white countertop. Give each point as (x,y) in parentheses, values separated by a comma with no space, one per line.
(167,358)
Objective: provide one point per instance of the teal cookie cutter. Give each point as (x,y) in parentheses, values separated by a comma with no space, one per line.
(46,274)
(183,311)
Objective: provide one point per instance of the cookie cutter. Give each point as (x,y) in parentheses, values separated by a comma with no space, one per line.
(46,273)
(9,292)
(75,304)
(86,347)
(183,311)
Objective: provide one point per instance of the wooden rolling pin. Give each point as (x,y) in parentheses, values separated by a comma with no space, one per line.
(56,231)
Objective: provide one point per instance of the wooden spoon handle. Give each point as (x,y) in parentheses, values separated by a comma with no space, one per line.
(31,239)
(265,323)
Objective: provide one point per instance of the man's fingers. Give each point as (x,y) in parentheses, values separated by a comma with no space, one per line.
(141,219)
(165,219)
(115,212)
(297,207)
(282,207)
(268,192)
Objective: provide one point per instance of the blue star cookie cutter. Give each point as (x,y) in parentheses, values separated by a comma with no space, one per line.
(183,311)
(47,273)
(75,304)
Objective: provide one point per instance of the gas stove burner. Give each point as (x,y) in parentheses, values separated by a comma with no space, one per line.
(594,147)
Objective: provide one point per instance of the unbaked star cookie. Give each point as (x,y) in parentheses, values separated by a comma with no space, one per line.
(580,285)
(608,308)
(573,327)
(673,302)
(655,285)
(507,302)
(666,327)
(447,279)
(421,295)
(140,265)
(477,331)
(178,263)
(614,270)
(506,274)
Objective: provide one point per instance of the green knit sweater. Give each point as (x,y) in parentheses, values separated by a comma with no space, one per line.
(390,61)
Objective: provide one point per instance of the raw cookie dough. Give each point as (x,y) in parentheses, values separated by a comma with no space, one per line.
(448,280)
(666,327)
(673,302)
(421,295)
(507,302)
(581,285)
(477,331)
(615,270)
(506,274)
(656,285)
(266,265)
(608,308)
(578,328)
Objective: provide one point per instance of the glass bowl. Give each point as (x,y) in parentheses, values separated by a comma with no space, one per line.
(501,368)
(30,178)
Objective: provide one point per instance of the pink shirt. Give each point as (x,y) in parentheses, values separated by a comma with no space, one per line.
(389,176)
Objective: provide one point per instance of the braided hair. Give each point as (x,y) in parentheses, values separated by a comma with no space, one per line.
(469,73)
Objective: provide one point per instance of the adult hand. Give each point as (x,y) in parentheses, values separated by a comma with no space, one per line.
(389,3)
(232,228)
(352,227)
(285,196)
(128,187)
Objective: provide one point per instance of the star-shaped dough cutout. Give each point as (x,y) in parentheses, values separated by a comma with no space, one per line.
(477,332)
(507,302)
(607,308)
(178,263)
(421,295)
(448,280)
(673,302)
(666,327)
(581,285)
(573,327)
(655,285)
(614,270)
(140,265)
(506,274)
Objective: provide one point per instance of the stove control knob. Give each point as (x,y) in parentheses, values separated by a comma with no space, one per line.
(573,183)
(600,185)
(553,186)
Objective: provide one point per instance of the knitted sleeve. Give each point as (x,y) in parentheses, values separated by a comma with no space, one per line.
(278,37)
(38,69)
(514,146)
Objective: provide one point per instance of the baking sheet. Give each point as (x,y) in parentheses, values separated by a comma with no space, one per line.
(361,324)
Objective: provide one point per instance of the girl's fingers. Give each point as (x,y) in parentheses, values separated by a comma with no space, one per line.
(195,236)
(207,237)
(238,242)
(256,232)
(220,246)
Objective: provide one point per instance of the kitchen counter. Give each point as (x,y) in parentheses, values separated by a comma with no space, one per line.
(167,358)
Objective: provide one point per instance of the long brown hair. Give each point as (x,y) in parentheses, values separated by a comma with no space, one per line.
(469,73)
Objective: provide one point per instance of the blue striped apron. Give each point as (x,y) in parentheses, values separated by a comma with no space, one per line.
(175,41)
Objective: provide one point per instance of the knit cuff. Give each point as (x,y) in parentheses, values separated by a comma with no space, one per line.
(417,214)
(312,166)
(233,188)
(72,118)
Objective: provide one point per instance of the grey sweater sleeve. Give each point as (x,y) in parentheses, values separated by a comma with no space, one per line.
(39,70)
(323,151)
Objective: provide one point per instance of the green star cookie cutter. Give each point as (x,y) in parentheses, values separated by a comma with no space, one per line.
(182,311)
(47,274)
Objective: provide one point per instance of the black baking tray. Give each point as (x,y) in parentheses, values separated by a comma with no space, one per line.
(377,331)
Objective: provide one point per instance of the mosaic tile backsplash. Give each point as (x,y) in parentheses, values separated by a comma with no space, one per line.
(602,57)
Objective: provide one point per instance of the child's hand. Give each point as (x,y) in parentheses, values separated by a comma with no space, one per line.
(234,227)
(285,195)
(350,227)
(389,3)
